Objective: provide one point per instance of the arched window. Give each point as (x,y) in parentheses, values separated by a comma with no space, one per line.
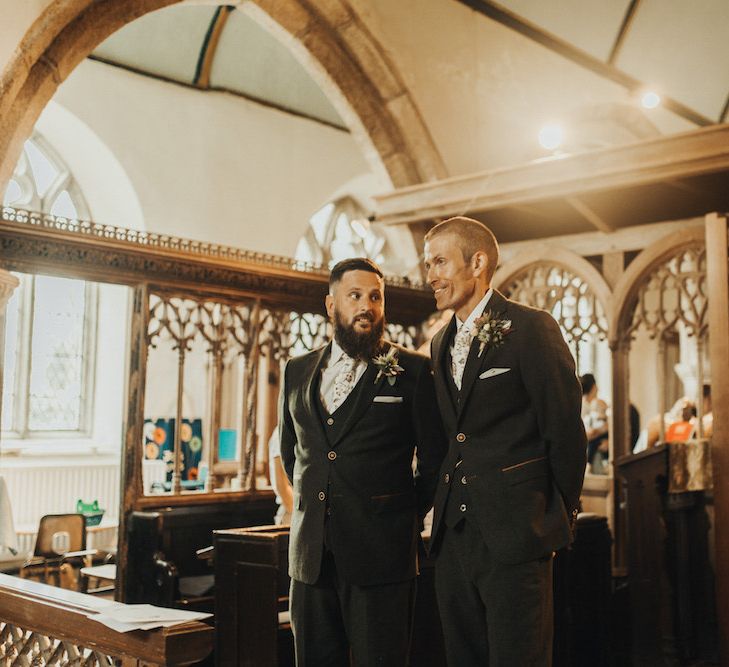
(42,182)
(50,324)
(339,230)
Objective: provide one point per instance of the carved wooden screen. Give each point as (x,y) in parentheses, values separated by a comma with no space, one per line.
(564,294)
(244,330)
(25,647)
(229,332)
(673,298)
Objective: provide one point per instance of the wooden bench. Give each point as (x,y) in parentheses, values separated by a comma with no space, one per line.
(163,566)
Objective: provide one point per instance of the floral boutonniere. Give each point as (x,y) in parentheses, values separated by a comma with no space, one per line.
(490,331)
(387,365)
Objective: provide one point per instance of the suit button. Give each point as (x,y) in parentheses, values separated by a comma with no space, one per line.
(332,455)
(330,421)
(322,495)
(462,508)
(463,479)
(461,437)
(446,478)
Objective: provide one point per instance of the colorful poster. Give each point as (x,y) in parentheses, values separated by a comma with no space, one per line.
(159,443)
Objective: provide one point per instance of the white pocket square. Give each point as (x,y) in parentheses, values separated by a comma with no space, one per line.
(387,399)
(491,372)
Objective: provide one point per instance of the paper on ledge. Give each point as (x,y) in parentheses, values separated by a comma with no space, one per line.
(126,617)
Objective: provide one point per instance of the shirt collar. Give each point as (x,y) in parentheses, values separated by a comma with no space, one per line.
(476,312)
(337,354)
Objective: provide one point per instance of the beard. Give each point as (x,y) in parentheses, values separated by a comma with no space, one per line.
(357,345)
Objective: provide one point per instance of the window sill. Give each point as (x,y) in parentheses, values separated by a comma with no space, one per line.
(24,451)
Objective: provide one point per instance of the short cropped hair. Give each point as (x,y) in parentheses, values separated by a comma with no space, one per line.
(472,236)
(352,264)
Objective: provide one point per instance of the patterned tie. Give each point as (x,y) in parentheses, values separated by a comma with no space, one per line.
(461,348)
(343,383)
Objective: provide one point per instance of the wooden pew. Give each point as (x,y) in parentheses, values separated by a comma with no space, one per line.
(48,625)
(252,623)
(252,626)
(163,545)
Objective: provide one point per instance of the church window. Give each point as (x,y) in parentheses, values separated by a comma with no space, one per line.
(50,321)
(339,230)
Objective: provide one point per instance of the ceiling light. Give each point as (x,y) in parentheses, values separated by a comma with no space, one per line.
(551,136)
(650,100)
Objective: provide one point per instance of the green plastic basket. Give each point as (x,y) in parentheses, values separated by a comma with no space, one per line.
(91,511)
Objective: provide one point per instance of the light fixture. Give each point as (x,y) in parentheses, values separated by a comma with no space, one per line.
(650,99)
(551,136)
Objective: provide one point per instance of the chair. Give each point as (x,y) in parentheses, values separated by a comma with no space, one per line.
(60,549)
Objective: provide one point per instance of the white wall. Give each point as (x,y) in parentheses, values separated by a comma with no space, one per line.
(103,181)
(212,166)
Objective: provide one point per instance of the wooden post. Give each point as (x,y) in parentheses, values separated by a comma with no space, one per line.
(270,381)
(131,461)
(8,283)
(619,430)
(717,271)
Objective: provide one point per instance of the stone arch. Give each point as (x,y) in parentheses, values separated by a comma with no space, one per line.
(337,49)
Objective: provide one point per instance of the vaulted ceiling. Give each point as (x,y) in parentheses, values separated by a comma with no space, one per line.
(483,74)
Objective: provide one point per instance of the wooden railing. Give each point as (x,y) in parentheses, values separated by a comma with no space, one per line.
(43,625)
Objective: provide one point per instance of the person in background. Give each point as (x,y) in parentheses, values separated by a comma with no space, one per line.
(595,419)
(279,482)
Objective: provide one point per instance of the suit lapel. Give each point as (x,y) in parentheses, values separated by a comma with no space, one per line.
(365,390)
(312,386)
(497,304)
(441,368)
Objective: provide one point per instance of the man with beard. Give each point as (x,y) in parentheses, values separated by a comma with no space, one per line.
(351,416)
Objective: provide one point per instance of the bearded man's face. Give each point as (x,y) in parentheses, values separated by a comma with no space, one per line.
(357,311)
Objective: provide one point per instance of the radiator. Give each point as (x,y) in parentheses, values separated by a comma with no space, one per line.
(36,490)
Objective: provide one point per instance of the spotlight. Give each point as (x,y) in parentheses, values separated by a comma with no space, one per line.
(551,136)
(650,100)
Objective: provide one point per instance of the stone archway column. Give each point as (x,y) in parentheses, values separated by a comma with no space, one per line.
(8,283)
(717,272)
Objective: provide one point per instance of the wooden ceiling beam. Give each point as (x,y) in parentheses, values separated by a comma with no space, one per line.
(630,13)
(724,111)
(210,46)
(653,161)
(588,214)
(510,20)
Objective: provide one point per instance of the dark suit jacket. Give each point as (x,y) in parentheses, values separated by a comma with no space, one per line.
(518,432)
(364,474)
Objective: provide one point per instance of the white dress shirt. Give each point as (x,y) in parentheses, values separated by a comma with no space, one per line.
(331,370)
(475,314)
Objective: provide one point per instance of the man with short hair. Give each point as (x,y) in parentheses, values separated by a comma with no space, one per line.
(510,484)
(351,416)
